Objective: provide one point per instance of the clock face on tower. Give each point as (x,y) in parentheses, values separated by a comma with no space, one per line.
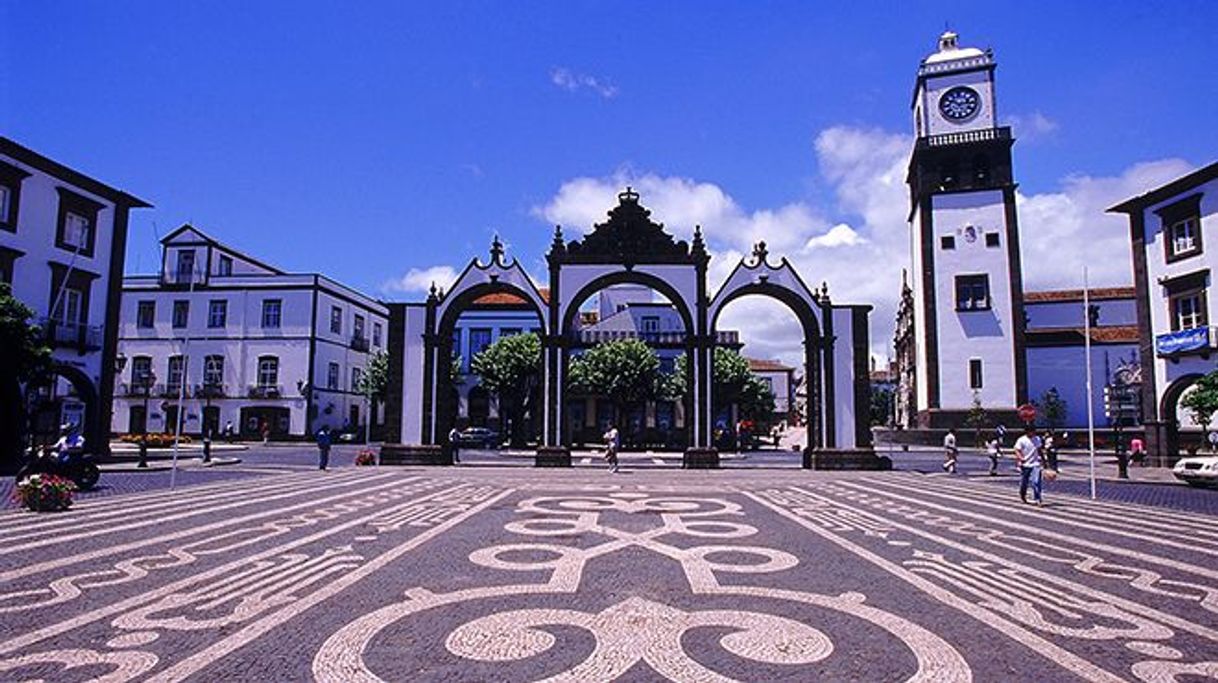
(959,103)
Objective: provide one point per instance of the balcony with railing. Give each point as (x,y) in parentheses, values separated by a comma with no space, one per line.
(593,337)
(171,390)
(72,335)
(359,343)
(210,390)
(135,389)
(265,391)
(184,277)
(963,137)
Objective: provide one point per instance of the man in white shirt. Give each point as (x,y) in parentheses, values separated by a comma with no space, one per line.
(1027,455)
(950,452)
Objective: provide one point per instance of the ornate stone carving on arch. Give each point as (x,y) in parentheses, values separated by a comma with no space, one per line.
(629,237)
(780,281)
(497,275)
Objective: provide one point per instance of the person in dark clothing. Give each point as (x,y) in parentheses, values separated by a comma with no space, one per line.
(323,447)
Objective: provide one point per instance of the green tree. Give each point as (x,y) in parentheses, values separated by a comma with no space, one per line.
(626,372)
(881,407)
(374,383)
(27,360)
(1052,409)
(1201,402)
(734,383)
(511,369)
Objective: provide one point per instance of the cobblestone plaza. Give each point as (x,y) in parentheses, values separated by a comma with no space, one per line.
(514,574)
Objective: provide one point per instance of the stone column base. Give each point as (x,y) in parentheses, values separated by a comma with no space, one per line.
(552,456)
(415,454)
(700,459)
(845,459)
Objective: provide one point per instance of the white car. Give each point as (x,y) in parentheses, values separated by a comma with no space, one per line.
(1198,470)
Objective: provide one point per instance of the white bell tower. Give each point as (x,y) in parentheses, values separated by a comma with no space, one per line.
(964,239)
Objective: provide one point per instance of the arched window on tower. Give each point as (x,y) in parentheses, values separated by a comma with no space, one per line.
(981,170)
(949,174)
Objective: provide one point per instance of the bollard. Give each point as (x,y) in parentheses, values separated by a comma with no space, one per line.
(143,461)
(207,449)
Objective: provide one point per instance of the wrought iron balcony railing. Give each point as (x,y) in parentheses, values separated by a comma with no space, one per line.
(72,335)
(359,343)
(265,391)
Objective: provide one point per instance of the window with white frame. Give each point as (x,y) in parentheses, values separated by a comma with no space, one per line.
(181,313)
(76,229)
(1188,310)
(268,371)
(176,371)
(357,327)
(145,314)
(141,371)
(651,323)
(357,377)
(69,310)
(332,376)
(376,334)
(1183,235)
(217,313)
(973,292)
(226,266)
(272,311)
(186,266)
(336,320)
(974,373)
(213,371)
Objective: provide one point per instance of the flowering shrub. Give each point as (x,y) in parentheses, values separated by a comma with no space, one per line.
(44,492)
(154,440)
(365,458)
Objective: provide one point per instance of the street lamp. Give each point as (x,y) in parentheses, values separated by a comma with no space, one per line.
(145,380)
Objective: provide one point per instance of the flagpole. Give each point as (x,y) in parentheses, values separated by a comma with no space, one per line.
(1090,400)
(177,432)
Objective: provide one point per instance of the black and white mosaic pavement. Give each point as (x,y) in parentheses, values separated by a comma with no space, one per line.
(523,575)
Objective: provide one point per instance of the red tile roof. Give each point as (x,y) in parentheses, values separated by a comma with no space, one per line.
(1114,334)
(1096,294)
(509,299)
(759,365)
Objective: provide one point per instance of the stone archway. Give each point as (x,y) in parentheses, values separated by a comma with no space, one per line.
(1169,406)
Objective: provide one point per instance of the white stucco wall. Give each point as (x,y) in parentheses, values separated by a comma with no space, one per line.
(964,335)
(415,326)
(843,379)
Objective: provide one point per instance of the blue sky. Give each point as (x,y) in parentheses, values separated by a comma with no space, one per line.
(365,140)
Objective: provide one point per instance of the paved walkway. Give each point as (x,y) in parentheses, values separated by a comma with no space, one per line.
(514,574)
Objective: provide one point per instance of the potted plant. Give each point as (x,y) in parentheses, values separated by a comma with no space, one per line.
(365,458)
(44,492)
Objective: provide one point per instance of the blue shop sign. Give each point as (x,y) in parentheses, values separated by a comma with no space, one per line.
(1183,341)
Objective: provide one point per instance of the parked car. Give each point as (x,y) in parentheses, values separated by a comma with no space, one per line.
(1201,470)
(479,437)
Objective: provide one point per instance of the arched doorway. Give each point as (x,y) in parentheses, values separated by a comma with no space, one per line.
(1169,413)
(68,397)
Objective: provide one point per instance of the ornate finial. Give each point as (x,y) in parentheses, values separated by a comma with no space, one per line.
(628,197)
(557,244)
(824,291)
(760,252)
(699,245)
(431,293)
(497,250)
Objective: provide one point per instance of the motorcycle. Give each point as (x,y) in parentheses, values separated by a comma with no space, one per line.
(73,464)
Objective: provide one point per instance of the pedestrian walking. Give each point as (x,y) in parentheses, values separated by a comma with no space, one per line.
(1213,439)
(454,442)
(1137,449)
(950,452)
(228,431)
(266,432)
(1028,457)
(323,447)
(1048,450)
(613,442)
(993,450)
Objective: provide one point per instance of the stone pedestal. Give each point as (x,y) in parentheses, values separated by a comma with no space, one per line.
(700,459)
(553,456)
(845,459)
(415,454)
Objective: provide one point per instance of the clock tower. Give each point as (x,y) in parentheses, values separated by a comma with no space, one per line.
(964,237)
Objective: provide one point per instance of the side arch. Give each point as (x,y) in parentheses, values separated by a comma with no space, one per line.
(1169,413)
(819,412)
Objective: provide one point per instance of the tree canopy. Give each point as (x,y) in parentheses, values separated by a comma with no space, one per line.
(1201,400)
(734,383)
(626,372)
(22,345)
(511,369)
(375,380)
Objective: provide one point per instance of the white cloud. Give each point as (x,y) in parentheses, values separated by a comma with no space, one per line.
(421,280)
(1029,127)
(1060,232)
(573,82)
(862,252)
(838,236)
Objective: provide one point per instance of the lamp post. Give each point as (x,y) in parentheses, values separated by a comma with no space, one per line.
(146,381)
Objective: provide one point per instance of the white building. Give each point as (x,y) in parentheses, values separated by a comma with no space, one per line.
(779,378)
(63,240)
(966,291)
(1173,266)
(244,342)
